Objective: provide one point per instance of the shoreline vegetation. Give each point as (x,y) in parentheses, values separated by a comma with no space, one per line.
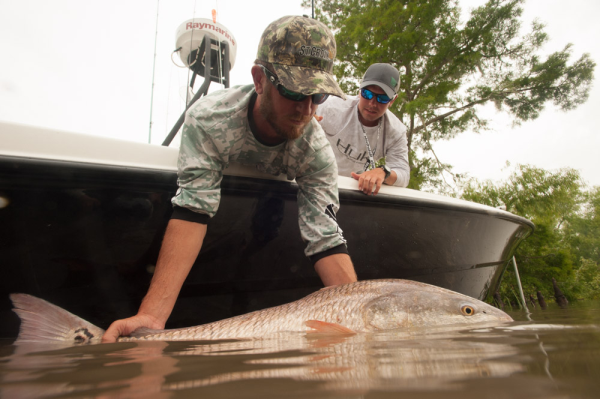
(561,259)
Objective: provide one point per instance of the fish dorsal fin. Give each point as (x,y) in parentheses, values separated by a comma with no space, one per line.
(324,327)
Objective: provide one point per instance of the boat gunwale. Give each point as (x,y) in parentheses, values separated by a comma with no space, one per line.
(162,177)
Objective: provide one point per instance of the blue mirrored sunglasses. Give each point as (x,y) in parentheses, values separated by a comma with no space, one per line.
(381,98)
(292,95)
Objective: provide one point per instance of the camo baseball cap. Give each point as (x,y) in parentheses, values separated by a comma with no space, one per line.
(301,50)
(383,75)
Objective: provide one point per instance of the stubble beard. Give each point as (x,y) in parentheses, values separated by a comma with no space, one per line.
(266,110)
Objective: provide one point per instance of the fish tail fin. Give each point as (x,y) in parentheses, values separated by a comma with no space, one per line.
(42,321)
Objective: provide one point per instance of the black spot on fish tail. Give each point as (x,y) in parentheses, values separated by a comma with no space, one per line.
(83,336)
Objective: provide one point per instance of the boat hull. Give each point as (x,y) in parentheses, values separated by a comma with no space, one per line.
(86,237)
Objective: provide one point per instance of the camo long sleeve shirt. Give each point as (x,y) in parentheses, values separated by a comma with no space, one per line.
(216,132)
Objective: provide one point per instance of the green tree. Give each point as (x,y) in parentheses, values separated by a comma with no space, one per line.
(565,242)
(450,68)
(583,229)
(583,236)
(586,284)
(534,193)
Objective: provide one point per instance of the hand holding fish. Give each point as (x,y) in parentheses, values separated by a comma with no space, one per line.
(124,327)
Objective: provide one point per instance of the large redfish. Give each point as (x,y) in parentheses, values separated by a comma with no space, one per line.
(365,306)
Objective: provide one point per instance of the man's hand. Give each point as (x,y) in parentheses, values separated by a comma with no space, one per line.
(125,327)
(369,182)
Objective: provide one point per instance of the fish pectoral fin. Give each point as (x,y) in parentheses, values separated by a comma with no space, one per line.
(324,327)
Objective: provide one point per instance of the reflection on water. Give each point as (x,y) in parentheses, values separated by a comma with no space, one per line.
(549,354)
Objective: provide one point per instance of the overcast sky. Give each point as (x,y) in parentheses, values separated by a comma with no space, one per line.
(87,67)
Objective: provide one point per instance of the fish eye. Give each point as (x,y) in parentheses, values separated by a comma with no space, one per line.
(467,310)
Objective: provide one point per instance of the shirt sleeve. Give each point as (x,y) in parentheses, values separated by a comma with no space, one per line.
(318,201)
(214,127)
(200,170)
(396,157)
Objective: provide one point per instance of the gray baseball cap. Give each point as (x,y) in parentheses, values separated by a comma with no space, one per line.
(383,75)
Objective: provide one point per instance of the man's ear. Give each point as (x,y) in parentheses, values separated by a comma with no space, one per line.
(392,101)
(259,78)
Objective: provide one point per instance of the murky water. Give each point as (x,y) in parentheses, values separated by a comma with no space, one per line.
(549,354)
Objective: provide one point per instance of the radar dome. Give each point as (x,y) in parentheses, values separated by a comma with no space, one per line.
(190,34)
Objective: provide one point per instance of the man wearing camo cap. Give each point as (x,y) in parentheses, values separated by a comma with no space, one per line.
(267,125)
(369,141)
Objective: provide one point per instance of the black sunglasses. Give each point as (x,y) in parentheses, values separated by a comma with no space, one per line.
(381,98)
(292,95)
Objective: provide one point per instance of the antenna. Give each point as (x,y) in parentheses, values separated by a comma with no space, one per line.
(153,69)
(208,49)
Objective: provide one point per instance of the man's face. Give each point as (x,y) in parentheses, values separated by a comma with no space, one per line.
(288,118)
(370,110)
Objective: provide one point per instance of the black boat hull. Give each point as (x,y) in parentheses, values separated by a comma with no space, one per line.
(86,237)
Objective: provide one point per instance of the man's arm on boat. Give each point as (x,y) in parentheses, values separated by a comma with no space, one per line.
(336,269)
(180,248)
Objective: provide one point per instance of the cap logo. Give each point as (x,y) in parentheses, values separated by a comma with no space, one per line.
(312,51)
(394,82)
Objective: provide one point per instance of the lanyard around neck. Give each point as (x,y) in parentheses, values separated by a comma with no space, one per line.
(371,163)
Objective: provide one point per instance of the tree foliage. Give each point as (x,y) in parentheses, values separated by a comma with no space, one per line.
(583,229)
(450,67)
(565,243)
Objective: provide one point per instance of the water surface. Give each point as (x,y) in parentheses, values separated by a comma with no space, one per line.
(547,354)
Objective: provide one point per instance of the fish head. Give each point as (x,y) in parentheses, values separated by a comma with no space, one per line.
(428,308)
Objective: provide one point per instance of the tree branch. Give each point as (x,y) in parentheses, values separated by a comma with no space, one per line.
(443,116)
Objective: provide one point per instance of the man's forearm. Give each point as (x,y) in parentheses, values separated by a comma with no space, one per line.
(179,250)
(336,269)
